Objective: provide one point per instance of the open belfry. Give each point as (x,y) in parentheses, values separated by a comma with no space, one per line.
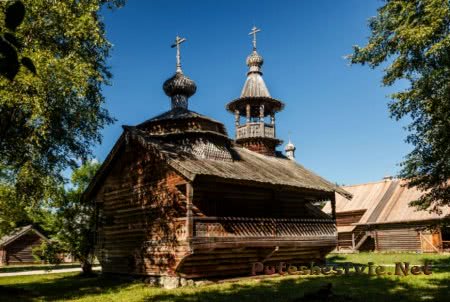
(177,197)
(255,105)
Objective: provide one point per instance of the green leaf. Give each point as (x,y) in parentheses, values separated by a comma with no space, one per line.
(28,64)
(14,15)
(9,62)
(12,40)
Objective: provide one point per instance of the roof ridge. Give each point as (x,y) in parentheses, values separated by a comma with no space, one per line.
(370,183)
(15,233)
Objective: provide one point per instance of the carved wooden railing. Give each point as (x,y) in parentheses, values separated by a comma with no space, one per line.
(262,227)
(255,130)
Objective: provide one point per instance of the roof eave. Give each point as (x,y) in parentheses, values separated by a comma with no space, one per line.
(231,106)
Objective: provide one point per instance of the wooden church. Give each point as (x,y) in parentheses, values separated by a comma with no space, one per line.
(177,197)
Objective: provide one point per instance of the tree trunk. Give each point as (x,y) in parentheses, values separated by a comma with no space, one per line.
(86,266)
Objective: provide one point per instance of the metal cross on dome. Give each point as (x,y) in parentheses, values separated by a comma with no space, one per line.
(253,32)
(178,41)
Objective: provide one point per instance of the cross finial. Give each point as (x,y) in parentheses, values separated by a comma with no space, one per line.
(253,32)
(178,41)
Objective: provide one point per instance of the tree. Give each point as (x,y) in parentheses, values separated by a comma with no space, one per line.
(15,211)
(76,218)
(10,46)
(413,38)
(51,119)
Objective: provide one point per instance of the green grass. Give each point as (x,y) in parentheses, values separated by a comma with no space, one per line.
(390,258)
(71,287)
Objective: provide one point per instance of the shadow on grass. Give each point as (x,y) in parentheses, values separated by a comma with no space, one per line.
(439,265)
(335,258)
(61,288)
(344,288)
(434,287)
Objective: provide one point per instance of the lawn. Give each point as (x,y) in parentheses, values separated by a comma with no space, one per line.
(71,287)
(391,258)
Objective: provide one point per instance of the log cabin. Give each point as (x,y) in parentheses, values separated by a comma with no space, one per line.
(17,246)
(177,197)
(379,218)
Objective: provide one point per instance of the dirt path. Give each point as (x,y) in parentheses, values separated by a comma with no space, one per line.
(43,272)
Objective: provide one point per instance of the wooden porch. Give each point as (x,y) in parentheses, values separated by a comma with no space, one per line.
(230,245)
(241,227)
(204,228)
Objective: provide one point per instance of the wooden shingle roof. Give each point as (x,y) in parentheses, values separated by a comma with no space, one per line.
(244,165)
(250,166)
(385,201)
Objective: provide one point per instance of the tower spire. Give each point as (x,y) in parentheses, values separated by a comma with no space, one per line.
(178,41)
(256,107)
(179,87)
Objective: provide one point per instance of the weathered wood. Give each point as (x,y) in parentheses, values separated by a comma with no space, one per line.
(349,217)
(206,227)
(400,239)
(151,222)
(189,214)
(20,251)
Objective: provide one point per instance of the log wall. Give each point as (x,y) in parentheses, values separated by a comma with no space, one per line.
(20,251)
(138,206)
(406,239)
(239,261)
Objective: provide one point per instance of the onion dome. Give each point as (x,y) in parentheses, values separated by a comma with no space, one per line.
(254,62)
(179,87)
(179,84)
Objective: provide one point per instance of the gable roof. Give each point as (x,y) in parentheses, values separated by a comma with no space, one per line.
(19,232)
(244,165)
(385,201)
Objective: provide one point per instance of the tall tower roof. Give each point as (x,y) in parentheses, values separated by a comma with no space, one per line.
(254,86)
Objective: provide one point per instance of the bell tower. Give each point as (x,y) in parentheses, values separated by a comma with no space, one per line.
(255,109)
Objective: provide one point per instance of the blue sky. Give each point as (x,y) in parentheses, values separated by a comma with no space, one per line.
(337,113)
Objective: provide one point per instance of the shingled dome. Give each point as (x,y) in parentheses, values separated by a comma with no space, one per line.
(179,84)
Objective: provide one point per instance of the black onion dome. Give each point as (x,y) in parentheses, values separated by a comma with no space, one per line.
(179,84)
